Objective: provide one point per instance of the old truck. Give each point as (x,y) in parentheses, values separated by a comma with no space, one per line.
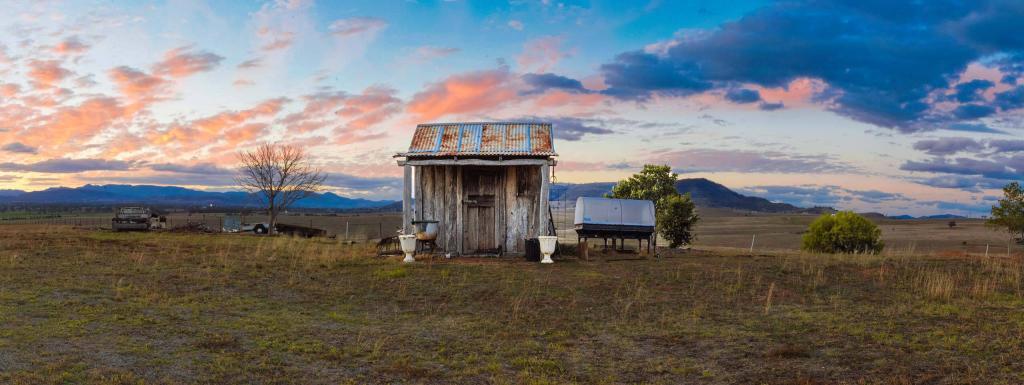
(131,218)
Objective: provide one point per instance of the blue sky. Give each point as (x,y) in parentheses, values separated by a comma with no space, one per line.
(898,107)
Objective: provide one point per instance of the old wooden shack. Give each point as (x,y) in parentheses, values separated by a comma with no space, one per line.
(486,184)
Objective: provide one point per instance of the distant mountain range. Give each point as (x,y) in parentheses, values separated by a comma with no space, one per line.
(704,192)
(114,194)
(937,216)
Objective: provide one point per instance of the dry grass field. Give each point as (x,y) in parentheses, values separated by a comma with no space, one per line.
(718,229)
(722,229)
(361,226)
(778,232)
(86,306)
(352,226)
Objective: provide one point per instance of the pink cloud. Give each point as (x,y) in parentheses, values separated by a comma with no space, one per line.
(9,90)
(429,53)
(356,112)
(229,128)
(241,135)
(357,26)
(294,4)
(541,55)
(351,137)
(134,83)
(71,46)
(251,63)
(139,88)
(978,71)
(51,99)
(473,92)
(4,58)
(47,73)
(798,92)
(279,42)
(125,142)
(74,123)
(374,106)
(181,62)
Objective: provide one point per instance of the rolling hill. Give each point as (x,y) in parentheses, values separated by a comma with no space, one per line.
(705,193)
(113,194)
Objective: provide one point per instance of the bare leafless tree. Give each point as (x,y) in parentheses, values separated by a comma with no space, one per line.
(280,175)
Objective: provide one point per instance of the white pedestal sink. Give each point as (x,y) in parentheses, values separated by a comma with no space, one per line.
(408,246)
(547,247)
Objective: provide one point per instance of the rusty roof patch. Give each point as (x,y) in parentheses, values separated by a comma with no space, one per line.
(482,139)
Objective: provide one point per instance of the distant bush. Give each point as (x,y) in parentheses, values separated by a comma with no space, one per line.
(1009,213)
(676,218)
(843,232)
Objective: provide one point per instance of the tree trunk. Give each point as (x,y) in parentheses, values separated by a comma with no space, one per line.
(273,220)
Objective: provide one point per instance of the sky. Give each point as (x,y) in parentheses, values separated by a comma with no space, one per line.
(887,106)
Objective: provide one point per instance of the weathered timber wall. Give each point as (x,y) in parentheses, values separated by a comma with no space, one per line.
(440,195)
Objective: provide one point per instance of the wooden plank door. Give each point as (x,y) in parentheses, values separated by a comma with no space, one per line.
(479,187)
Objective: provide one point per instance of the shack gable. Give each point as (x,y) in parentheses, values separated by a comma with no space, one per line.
(482,139)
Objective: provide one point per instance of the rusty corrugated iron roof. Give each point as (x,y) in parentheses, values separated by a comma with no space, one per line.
(496,138)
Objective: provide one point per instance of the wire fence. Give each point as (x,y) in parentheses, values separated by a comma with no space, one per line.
(748,233)
(354,228)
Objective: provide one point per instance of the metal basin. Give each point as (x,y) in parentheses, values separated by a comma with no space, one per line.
(426,230)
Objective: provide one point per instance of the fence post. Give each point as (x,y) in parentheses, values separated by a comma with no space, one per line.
(986,250)
(752,243)
(346,230)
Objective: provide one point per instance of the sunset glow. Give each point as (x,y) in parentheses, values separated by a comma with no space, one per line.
(907,113)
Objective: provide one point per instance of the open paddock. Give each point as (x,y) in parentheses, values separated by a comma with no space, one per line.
(98,307)
(718,228)
(729,229)
(780,232)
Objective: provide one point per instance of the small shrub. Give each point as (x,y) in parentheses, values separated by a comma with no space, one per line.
(843,232)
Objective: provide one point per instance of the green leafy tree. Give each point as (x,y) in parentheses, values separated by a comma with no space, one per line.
(1009,214)
(676,219)
(843,232)
(677,214)
(653,183)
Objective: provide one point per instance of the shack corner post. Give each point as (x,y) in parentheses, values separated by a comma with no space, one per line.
(483,185)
